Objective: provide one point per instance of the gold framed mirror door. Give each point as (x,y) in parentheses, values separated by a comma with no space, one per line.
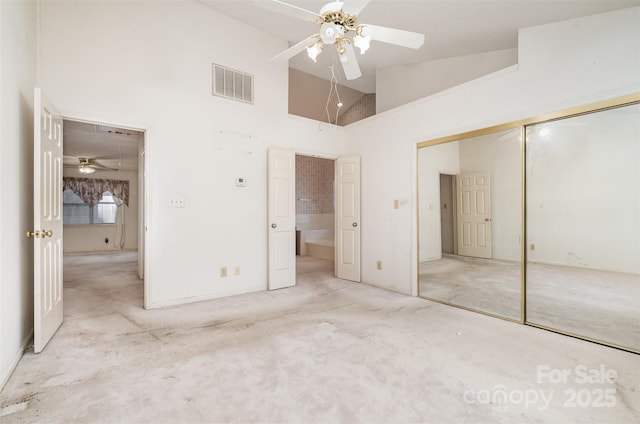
(469,196)
(583,225)
(550,209)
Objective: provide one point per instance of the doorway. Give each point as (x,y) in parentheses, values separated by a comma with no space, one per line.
(315,214)
(281,218)
(447,213)
(114,227)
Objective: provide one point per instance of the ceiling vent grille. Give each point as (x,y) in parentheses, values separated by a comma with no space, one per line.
(232,84)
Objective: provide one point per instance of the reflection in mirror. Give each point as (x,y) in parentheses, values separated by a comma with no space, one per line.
(583,225)
(469,212)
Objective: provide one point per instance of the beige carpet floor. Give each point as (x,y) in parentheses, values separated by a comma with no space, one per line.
(324,351)
(595,304)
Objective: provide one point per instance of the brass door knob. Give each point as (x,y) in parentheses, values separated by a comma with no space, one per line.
(40,234)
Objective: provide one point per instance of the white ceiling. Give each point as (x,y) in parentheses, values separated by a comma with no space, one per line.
(113,147)
(451,27)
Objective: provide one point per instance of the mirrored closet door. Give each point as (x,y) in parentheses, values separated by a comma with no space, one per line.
(469,197)
(583,225)
(538,222)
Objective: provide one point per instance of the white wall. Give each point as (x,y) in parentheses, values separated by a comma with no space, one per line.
(498,154)
(90,238)
(398,85)
(17,79)
(561,65)
(583,191)
(150,67)
(433,161)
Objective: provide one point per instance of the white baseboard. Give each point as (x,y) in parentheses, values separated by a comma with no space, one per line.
(6,374)
(185,300)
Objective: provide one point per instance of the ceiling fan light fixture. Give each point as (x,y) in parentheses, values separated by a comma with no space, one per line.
(328,32)
(86,169)
(362,42)
(314,51)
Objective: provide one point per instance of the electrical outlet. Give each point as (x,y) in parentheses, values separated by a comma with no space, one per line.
(533,246)
(176,202)
(223,271)
(379,265)
(236,270)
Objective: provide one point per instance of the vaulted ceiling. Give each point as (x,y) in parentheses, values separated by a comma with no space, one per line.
(451,27)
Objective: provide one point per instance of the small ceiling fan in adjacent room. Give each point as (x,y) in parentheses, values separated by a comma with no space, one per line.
(338,22)
(86,165)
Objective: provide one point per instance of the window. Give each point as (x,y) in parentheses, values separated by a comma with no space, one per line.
(77,212)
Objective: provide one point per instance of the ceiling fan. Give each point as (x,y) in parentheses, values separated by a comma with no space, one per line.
(88,165)
(339,26)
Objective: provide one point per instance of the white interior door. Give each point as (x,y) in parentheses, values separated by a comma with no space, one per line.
(281,189)
(347,237)
(47,221)
(473,193)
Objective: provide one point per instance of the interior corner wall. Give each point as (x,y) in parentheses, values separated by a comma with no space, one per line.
(309,96)
(17,79)
(561,65)
(398,85)
(91,238)
(150,66)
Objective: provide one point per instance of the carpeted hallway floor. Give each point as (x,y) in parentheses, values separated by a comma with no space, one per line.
(326,351)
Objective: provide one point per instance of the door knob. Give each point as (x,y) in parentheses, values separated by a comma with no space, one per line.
(487,219)
(355,224)
(39,234)
(274,225)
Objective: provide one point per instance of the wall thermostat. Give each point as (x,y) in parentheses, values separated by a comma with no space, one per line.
(241,182)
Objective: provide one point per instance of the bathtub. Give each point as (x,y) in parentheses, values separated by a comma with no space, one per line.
(317,244)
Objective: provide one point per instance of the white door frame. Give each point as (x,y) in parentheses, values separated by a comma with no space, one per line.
(147,281)
(313,154)
(454,202)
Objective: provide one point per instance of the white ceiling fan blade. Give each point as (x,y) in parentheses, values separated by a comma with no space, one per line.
(288,9)
(350,63)
(353,7)
(102,167)
(295,49)
(399,37)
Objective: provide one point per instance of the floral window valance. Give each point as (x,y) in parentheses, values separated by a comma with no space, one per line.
(90,189)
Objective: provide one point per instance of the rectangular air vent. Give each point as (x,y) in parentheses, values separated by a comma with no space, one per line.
(232,84)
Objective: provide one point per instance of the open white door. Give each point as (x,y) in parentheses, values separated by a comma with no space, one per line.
(474,214)
(347,238)
(47,221)
(281,189)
